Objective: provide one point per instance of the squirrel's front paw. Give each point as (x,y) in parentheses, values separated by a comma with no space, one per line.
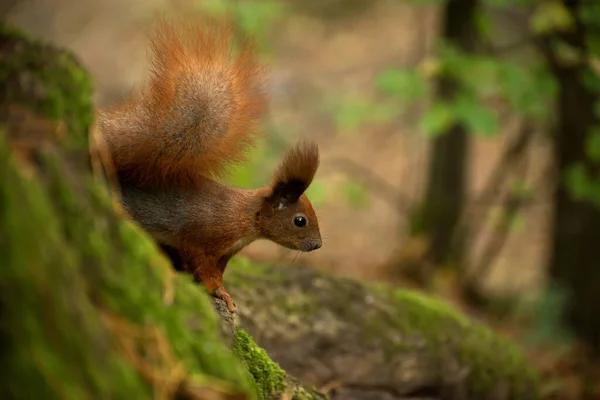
(222,294)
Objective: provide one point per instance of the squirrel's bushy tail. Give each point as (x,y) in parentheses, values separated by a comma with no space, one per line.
(198,113)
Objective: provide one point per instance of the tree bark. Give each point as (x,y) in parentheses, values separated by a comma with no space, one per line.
(575,251)
(445,192)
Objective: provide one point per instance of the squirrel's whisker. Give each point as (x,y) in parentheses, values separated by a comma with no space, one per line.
(296,256)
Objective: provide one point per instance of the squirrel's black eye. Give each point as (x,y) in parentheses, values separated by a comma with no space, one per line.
(300,222)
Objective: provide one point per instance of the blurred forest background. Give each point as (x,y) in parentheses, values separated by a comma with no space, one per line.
(460,145)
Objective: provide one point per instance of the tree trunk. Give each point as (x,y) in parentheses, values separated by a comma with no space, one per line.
(444,197)
(573,262)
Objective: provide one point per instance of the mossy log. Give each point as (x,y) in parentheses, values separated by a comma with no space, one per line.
(374,341)
(90,309)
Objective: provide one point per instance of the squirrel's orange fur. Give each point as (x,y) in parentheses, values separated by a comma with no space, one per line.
(198,112)
(168,141)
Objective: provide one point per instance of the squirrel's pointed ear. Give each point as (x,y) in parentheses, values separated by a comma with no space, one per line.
(295,173)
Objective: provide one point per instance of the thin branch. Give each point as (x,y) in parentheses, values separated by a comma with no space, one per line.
(498,238)
(374,181)
(488,196)
(503,49)
(509,160)
(514,152)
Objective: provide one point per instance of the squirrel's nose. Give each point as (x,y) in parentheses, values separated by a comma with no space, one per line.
(317,245)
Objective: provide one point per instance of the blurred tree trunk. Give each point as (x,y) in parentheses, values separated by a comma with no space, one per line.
(6,6)
(573,261)
(445,192)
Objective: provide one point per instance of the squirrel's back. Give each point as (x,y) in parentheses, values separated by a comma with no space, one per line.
(197,114)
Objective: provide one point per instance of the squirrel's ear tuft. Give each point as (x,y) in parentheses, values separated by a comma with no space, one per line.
(295,173)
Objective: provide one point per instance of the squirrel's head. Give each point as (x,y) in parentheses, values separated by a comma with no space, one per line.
(286,216)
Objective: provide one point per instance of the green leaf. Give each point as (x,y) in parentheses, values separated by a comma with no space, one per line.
(436,120)
(578,182)
(483,21)
(452,59)
(404,84)
(476,117)
(479,74)
(515,83)
(527,90)
(257,16)
(473,72)
(352,112)
(516,224)
(546,85)
(567,54)
(592,147)
(356,194)
(551,16)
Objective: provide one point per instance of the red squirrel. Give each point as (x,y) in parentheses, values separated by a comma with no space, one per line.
(171,140)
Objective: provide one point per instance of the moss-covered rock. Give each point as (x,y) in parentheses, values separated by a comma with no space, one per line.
(268,376)
(374,340)
(89,308)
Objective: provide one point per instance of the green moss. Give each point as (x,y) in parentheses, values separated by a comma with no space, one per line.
(268,377)
(66,268)
(301,394)
(491,358)
(50,82)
